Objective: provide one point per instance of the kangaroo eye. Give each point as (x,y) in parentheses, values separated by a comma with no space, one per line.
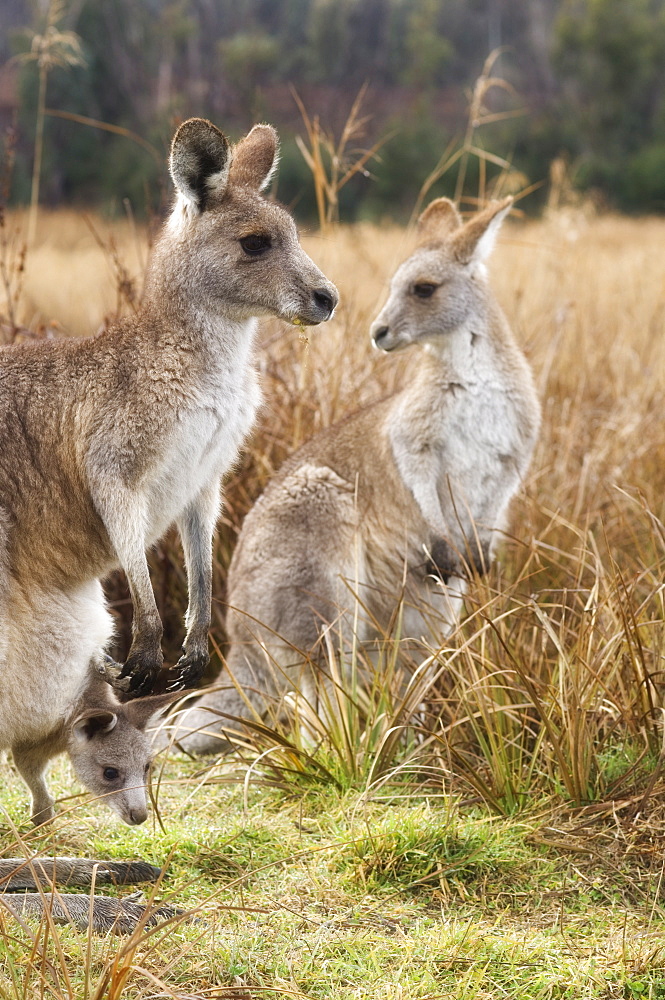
(255,244)
(111,773)
(424,289)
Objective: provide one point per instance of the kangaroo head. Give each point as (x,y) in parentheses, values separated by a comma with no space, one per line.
(226,247)
(111,753)
(441,288)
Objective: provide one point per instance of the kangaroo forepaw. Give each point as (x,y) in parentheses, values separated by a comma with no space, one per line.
(442,560)
(42,813)
(188,671)
(140,671)
(112,674)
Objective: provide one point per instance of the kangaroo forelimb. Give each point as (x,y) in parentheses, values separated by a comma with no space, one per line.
(442,560)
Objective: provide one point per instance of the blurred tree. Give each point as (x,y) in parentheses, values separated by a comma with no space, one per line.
(249,60)
(49,48)
(175,27)
(329,41)
(610,58)
(428,53)
(592,73)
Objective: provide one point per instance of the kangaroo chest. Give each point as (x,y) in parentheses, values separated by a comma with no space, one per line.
(201,445)
(474,427)
(460,446)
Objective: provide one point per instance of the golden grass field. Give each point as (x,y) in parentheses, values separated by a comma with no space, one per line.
(547,707)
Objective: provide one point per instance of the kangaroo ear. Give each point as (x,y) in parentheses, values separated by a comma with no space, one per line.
(439,219)
(255,158)
(92,722)
(140,711)
(200,162)
(475,240)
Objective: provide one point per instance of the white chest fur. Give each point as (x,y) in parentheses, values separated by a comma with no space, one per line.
(202,443)
(456,445)
(476,426)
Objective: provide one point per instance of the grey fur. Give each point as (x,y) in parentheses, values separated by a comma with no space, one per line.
(118,916)
(29,873)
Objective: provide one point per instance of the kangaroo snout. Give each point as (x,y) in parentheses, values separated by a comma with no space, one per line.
(325,299)
(379,334)
(131,805)
(137,816)
(322,303)
(386,338)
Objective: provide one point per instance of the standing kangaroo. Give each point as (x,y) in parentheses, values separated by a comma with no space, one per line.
(107,441)
(398,500)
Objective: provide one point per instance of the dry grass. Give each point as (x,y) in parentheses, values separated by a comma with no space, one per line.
(72,280)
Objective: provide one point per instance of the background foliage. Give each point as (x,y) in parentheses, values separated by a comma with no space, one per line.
(588,74)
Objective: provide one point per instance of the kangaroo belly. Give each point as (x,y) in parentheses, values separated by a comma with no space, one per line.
(47,640)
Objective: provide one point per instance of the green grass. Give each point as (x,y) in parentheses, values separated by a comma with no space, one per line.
(330,894)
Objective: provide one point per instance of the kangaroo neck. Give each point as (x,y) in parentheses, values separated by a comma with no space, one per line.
(463,357)
(211,334)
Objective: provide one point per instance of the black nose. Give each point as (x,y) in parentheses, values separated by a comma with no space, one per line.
(324,300)
(380,333)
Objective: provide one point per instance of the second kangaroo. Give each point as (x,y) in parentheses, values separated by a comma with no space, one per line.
(107,441)
(397,501)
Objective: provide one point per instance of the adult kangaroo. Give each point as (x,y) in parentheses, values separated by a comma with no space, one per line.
(107,441)
(400,501)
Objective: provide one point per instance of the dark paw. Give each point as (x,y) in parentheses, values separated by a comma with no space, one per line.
(112,673)
(140,671)
(442,560)
(188,671)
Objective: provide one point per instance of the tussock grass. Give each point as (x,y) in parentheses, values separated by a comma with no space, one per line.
(499,831)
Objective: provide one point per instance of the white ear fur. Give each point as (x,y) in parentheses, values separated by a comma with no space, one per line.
(473,242)
(487,241)
(200,163)
(268,179)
